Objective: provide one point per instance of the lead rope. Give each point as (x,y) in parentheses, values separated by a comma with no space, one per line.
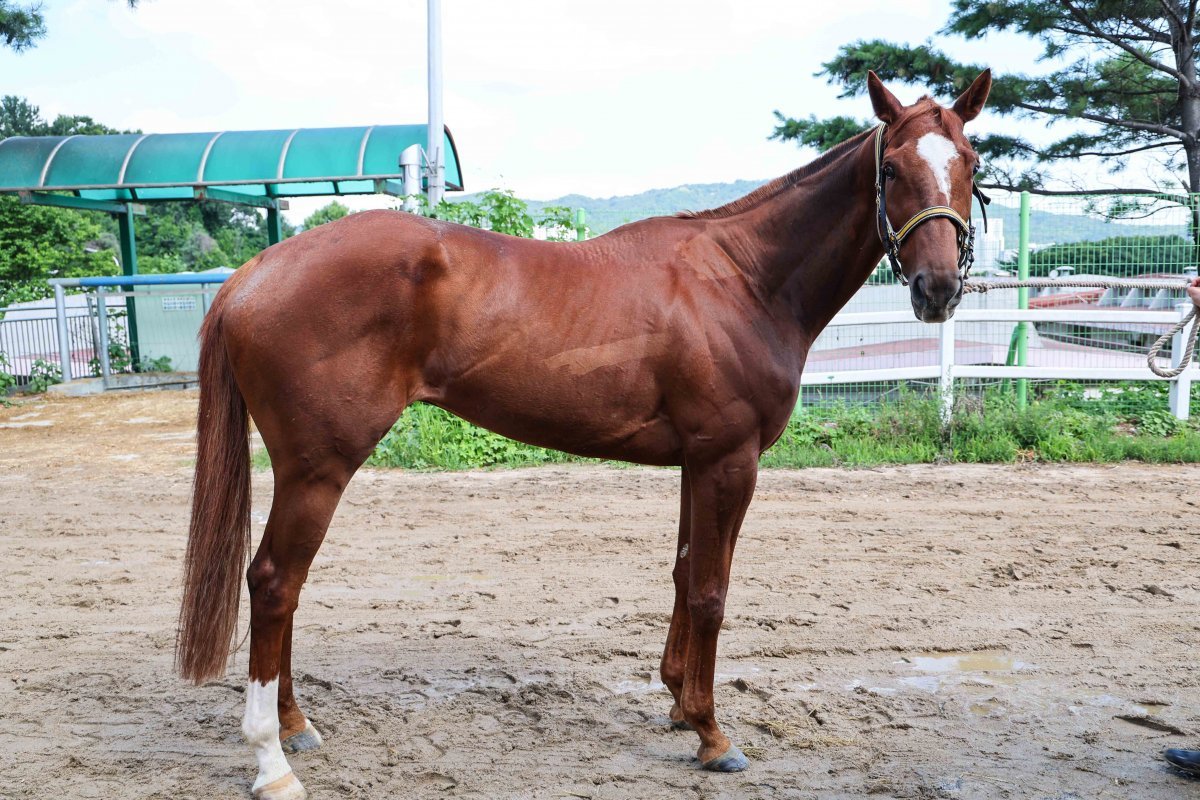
(1189,349)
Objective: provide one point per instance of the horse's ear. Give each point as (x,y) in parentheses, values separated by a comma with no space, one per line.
(887,107)
(970,103)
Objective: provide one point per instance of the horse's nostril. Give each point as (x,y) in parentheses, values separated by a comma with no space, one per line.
(918,285)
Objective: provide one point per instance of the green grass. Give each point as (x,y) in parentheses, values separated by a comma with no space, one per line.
(1063,423)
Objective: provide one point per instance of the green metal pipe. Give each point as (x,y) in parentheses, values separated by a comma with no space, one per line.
(129,266)
(1022,332)
(274,226)
(580,225)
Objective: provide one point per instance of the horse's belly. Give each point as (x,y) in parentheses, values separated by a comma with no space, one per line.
(592,418)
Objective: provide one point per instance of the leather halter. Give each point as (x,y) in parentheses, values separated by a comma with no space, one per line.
(893,239)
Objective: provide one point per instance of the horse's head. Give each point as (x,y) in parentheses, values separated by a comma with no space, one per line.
(925,168)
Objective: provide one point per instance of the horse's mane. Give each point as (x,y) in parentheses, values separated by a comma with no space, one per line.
(833,154)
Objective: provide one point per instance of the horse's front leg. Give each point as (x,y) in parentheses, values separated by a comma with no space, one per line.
(721,489)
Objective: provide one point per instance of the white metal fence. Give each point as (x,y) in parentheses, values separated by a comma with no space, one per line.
(955,358)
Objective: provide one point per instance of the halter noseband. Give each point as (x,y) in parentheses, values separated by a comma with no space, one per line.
(893,239)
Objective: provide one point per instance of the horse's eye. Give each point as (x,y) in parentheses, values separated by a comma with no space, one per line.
(975,169)
(889,171)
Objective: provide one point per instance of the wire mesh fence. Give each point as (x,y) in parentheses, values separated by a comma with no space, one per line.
(1072,236)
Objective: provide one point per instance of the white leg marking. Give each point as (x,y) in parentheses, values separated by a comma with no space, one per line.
(938,152)
(260,726)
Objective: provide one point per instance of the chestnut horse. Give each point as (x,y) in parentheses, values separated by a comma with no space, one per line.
(670,341)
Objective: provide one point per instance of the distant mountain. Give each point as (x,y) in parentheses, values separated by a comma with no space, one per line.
(1046,227)
(604,214)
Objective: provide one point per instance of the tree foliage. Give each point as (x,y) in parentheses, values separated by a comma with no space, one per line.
(326,213)
(22,24)
(502,211)
(1126,69)
(19,117)
(37,243)
(1120,256)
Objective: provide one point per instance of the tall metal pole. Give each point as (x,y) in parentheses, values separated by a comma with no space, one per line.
(1023,300)
(64,334)
(434,155)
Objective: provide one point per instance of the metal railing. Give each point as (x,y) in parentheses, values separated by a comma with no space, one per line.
(140,323)
(954,359)
(31,339)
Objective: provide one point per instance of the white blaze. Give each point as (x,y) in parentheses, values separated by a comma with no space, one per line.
(261,729)
(938,152)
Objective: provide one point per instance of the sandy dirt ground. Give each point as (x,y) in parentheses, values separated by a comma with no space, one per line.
(923,632)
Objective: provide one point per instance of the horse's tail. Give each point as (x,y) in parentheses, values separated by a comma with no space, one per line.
(219,535)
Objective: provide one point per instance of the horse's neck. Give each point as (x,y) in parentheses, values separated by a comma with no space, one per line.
(813,245)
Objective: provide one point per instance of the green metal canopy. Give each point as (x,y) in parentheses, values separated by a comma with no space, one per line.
(115,173)
(248,166)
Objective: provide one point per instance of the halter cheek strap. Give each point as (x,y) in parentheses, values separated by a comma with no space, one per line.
(893,239)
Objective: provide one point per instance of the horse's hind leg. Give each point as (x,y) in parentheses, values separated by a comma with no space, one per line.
(675,653)
(303,505)
(295,731)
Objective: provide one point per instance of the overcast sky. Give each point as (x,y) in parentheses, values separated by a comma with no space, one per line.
(545,98)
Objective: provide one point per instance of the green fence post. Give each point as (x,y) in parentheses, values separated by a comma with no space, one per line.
(1022,333)
(129,266)
(580,226)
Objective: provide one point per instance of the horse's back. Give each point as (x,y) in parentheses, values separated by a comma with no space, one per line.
(589,347)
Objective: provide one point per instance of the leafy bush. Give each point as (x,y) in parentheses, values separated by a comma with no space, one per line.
(1064,423)
(43,375)
(426,437)
(7,381)
(502,211)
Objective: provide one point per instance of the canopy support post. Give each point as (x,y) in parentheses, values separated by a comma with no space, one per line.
(129,266)
(274,226)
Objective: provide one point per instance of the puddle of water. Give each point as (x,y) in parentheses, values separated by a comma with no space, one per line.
(28,415)
(637,685)
(985,708)
(737,670)
(858,684)
(1147,708)
(926,683)
(951,663)
(144,421)
(125,457)
(983,668)
(44,423)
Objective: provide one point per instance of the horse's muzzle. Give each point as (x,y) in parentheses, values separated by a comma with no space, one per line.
(934,297)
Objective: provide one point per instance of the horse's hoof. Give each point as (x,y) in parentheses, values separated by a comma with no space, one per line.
(307,739)
(732,760)
(286,788)
(680,724)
